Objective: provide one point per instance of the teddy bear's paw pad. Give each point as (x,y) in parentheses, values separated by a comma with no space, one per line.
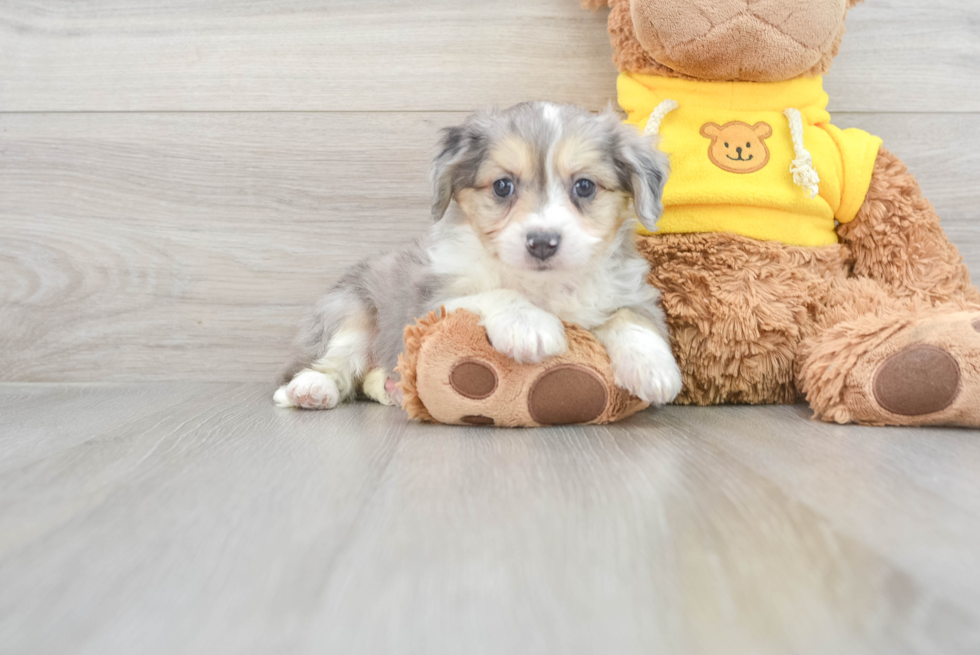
(477,419)
(567,394)
(920,379)
(473,379)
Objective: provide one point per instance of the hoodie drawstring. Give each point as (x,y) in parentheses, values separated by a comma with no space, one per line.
(657,115)
(804,174)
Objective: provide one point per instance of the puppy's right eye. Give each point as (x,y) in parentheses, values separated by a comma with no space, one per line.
(584,188)
(503,187)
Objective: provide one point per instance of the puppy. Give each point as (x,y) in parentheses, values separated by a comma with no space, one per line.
(533,226)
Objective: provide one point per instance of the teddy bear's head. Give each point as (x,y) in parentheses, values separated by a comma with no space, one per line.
(746,40)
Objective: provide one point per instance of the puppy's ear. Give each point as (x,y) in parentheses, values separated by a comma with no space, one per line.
(451,149)
(643,171)
(461,150)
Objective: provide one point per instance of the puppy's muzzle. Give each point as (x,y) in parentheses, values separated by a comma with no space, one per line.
(543,245)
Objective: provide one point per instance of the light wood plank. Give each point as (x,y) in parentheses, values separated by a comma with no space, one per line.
(130,532)
(908,55)
(854,473)
(155,243)
(363,55)
(369,55)
(162,246)
(202,519)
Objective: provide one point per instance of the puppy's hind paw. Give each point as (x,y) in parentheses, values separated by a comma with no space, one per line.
(375,387)
(527,335)
(394,392)
(308,390)
(281,398)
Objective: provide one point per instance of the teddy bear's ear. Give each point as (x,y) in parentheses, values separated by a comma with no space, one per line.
(710,130)
(762,130)
(596,4)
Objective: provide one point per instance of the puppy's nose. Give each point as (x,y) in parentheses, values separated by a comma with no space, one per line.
(543,244)
(739,151)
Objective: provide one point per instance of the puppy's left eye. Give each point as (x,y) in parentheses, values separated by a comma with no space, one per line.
(584,188)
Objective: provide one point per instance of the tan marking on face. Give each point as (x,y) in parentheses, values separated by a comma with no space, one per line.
(576,157)
(574,154)
(510,157)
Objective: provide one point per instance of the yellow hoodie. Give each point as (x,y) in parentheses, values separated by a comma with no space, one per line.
(731,148)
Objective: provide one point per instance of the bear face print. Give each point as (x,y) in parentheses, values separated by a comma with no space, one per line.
(738,147)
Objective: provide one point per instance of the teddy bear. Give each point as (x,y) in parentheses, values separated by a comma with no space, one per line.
(795,260)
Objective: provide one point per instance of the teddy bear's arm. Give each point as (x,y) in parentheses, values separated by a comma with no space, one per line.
(897,240)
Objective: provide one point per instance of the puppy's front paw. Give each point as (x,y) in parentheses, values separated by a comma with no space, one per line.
(643,365)
(526,335)
(309,390)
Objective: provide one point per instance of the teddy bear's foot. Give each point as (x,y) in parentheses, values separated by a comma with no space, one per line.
(451,374)
(918,380)
(921,370)
(557,395)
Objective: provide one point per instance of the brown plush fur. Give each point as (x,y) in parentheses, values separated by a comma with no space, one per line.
(408,365)
(737,309)
(896,239)
(750,319)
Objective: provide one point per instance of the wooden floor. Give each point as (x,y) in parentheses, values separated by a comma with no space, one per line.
(196,518)
(180,180)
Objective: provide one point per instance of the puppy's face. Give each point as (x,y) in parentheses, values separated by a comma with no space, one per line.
(548,187)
